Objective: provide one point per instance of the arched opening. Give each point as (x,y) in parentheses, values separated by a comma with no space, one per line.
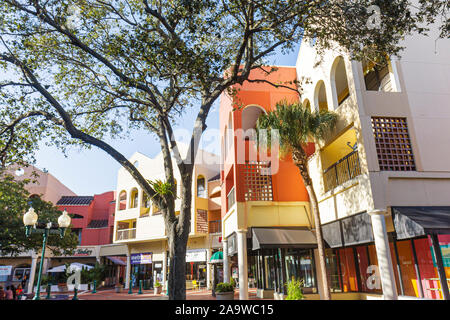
(201,187)
(320,96)
(378,76)
(250,116)
(307,104)
(228,135)
(145,205)
(339,81)
(134,198)
(122,205)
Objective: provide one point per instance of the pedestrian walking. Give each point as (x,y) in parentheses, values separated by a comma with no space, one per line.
(13,289)
(2,293)
(19,292)
(9,293)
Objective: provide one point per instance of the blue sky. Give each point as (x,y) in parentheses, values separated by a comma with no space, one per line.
(89,172)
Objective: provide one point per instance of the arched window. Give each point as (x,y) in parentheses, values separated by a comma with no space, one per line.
(250,116)
(134,198)
(145,200)
(321,96)
(339,81)
(201,187)
(377,76)
(122,200)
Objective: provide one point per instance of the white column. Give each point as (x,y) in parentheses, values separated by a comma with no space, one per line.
(242,264)
(385,266)
(32,271)
(164,270)
(226,263)
(128,270)
(208,269)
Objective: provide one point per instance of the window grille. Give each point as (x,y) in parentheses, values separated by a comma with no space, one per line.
(258,181)
(393,144)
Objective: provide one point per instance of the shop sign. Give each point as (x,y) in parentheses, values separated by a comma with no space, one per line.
(198,255)
(141,258)
(84,252)
(158,265)
(5,270)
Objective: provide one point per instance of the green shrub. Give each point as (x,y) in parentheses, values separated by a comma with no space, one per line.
(233,282)
(294,290)
(224,287)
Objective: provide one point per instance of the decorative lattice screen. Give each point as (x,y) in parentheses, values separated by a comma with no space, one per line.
(258,181)
(202,221)
(393,144)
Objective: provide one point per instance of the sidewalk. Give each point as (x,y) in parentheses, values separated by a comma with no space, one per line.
(110,294)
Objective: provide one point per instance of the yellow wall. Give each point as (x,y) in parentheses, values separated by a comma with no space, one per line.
(338,149)
(271,214)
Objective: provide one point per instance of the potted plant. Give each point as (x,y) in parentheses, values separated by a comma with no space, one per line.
(118,287)
(224,291)
(294,290)
(157,287)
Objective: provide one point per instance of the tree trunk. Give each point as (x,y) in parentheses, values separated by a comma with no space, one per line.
(299,157)
(178,236)
(177,268)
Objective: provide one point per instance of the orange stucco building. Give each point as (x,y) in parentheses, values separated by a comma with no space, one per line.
(266,216)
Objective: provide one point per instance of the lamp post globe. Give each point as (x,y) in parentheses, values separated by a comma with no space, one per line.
(64,220)
(30,217)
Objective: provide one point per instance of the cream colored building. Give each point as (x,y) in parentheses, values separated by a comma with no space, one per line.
(140,225)
(386,165)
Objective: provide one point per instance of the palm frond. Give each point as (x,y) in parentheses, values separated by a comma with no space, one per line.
(296,125)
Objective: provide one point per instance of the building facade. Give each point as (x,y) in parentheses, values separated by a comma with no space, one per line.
(140,226)
(266,217)
(382,177)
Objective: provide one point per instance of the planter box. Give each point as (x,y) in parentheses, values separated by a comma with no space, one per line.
(158,290)
(225,295)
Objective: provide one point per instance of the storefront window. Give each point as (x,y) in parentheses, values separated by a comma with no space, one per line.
(332,262)
(196,271)
(269,268)
(348,270)
(307,269)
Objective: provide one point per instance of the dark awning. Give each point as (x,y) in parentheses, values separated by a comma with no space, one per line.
(332,234)
(413,222)
(357,229)
(282,238)
(349,231)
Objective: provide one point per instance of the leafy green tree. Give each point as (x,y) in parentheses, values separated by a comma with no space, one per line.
(296,126)
(14,202)
(79,71)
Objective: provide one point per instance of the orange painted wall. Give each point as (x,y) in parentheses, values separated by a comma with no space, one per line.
(287,183)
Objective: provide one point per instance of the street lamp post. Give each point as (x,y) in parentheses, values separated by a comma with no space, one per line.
(32,226)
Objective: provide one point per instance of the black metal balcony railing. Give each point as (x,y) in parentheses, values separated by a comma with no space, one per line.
(215,226)
(345,169)
(231,198)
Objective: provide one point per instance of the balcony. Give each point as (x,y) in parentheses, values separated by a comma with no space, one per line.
(126,234)
(343,170)
(231,198)
(215,226)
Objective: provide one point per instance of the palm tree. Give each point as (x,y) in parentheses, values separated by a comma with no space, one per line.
(296,126)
